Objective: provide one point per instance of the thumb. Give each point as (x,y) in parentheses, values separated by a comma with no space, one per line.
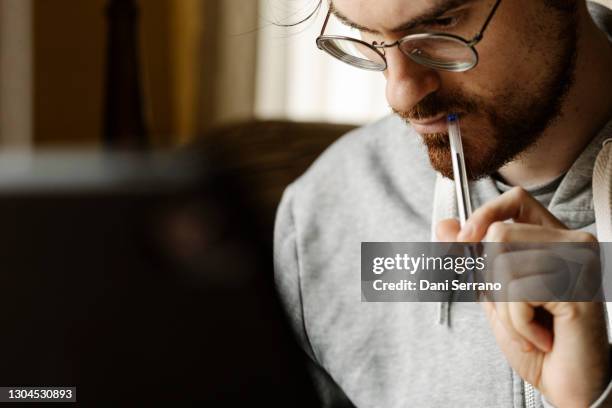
(447,230)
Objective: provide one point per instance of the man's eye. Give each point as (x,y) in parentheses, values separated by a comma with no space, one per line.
(445,22)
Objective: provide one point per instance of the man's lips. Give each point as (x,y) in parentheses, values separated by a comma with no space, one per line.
(435,124)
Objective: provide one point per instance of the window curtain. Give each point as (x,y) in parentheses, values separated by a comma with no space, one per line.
(227,61)
(16,73)
(297,81)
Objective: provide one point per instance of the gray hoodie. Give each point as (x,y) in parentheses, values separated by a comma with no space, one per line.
(376,184)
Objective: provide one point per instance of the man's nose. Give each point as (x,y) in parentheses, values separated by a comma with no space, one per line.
(408,82)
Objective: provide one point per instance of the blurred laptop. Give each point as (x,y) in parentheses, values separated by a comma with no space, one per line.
(139,279)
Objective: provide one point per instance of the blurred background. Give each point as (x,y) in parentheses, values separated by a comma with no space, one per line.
(162,260)
(69,69)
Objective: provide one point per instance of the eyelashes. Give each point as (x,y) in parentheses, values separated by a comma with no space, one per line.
(445,22)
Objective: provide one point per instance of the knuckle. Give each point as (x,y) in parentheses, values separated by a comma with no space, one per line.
(498,232)
(486,212)
(519,192)
(520,317)
(571,311)
(482,215)
(521,325)
(585,237)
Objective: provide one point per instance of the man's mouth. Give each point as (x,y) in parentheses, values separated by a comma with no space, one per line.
(434,124)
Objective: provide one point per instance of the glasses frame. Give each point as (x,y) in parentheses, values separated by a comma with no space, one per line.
(379,48)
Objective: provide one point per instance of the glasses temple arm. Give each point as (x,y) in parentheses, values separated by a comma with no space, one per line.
(325,23)
(486,23)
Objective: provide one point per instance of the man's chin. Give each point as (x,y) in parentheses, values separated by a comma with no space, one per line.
(440,159)
(436,141)
(439,155)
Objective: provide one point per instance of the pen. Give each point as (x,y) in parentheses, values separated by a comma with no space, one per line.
(464,204)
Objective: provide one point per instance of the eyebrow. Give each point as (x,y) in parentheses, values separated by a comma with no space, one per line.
(429,15)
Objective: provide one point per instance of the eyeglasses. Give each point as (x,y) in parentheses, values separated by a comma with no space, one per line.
(441,51)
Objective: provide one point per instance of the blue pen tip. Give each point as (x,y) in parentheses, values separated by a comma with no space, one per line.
(453,117)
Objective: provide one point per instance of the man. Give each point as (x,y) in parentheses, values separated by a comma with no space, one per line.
(532,85)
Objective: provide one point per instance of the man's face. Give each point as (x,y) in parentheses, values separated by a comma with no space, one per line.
(527,61)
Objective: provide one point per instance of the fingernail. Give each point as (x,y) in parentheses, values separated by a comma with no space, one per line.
(466,232)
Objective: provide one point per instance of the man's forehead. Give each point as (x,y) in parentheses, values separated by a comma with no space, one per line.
(390,15)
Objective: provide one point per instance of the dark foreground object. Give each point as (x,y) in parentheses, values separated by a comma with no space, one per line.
(140,279)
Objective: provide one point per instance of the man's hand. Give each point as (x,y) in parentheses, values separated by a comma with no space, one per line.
(561,348)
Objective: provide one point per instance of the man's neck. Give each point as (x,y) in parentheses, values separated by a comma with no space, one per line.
(587,108)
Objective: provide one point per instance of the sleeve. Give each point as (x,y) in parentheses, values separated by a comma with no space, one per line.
(287,279)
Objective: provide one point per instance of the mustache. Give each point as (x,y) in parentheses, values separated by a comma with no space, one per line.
(435,104)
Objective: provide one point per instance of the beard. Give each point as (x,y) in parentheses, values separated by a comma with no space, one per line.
(505,126)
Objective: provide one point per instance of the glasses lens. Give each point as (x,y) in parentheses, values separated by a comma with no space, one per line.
(353,52)
(440,52)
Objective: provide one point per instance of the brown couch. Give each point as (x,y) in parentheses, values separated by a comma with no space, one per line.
(267,156)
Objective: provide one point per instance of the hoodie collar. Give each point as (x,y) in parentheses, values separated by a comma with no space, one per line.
(572,202)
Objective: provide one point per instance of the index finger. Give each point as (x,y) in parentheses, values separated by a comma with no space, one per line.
(517,205)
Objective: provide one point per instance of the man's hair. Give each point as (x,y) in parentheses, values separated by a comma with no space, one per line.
(303,20)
